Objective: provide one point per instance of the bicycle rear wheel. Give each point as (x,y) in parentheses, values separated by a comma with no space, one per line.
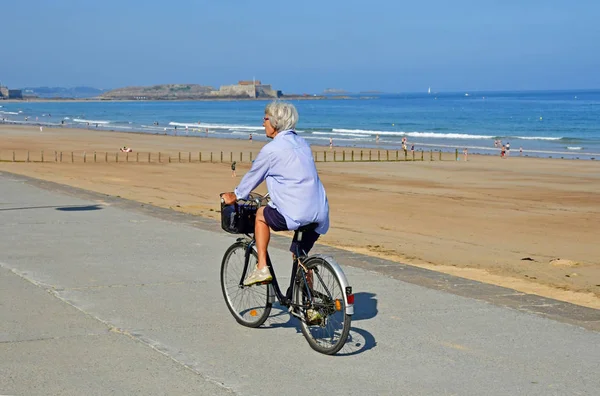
(328,334)
(249,305)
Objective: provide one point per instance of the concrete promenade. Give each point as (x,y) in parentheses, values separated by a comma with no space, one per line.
(104,296)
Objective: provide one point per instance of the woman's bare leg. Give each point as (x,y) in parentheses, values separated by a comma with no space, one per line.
(262,234)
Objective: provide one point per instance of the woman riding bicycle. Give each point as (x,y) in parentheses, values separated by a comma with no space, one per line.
(297,195)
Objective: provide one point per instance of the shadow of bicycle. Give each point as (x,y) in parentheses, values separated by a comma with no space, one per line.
(365,306)
(359,340)
(281,318)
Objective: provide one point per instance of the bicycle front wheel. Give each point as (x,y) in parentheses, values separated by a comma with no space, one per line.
(249,305)
(321,302)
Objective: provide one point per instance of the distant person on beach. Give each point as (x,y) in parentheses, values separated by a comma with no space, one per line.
(412,149)
(330,143)
(233,169)
(466,154)
(250,138)
(298,197)
(503,151)
(404,148)
(507,149)
(126,149)
(377,138)
(206,132)
(521,151)
(41,129)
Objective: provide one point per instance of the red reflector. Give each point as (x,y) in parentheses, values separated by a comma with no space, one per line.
(350,298)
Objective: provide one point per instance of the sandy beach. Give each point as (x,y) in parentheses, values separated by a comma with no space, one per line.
(527,223)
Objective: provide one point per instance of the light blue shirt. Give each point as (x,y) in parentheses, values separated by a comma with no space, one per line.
(296,191)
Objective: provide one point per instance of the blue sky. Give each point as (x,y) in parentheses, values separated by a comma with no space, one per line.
(304,46)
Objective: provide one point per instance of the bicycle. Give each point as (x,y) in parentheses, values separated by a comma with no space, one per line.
(319,295)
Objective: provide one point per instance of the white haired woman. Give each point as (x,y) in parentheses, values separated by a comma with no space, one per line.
(297,195)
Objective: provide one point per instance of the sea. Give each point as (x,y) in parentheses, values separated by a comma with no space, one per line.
(558,124)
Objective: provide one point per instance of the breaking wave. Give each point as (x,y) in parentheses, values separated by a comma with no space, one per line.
(90,121)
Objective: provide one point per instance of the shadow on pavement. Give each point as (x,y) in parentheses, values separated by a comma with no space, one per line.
(359,340)
(70,208)
(74,208)
(365,306)
(280,317)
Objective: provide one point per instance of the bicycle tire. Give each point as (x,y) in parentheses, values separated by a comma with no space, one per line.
(249,305)
(331,335)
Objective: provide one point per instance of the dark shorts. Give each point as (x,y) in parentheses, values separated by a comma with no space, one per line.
(276,221)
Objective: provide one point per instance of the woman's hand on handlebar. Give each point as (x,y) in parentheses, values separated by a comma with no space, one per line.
(228,198)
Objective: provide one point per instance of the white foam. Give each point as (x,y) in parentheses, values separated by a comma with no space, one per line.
(216,126)
(497,149)
(90,121)
(574,148)
(338,134)
(415,134)
(538,138)
(153,127)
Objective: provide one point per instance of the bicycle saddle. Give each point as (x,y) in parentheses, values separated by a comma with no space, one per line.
(308,227)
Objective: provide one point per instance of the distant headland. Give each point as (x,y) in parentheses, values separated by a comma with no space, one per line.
(244,89)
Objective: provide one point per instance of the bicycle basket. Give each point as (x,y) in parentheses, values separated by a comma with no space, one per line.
(239,218)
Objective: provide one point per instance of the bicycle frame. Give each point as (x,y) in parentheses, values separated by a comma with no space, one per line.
(275,290)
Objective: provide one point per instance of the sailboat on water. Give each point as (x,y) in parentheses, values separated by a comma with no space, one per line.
(429,91)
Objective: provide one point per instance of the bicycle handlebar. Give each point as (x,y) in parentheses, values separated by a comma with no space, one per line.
(256,197)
